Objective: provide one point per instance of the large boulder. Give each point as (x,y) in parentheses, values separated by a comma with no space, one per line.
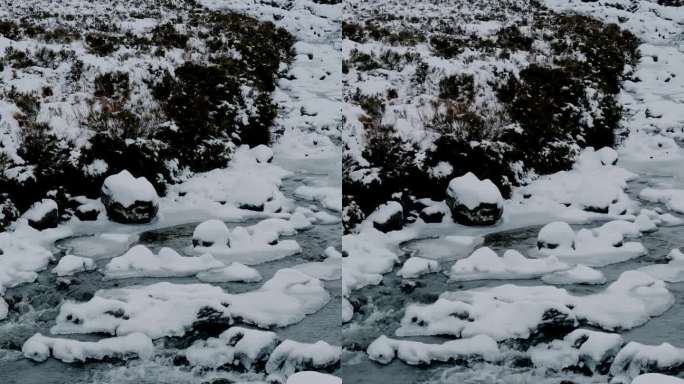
(43,215)
(129,200)
(389,217)
(473,201)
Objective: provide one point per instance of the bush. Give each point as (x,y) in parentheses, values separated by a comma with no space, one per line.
(114,85)
(101,44)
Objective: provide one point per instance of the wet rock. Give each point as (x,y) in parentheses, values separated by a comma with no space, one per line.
(473,201)
(43,215)
(389,217)
(129,200)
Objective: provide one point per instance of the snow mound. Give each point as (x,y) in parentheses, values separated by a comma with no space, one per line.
(40,348)
(231,273)
(167,309)
(71,265)
(592,247)
(636,358)
(484,263)
(4,309)
(292,356)
(672,198)
(672,271)
(313,377)
(580,274)
(628,302)
(417,266)
(656,378)
(140,261)
(328,269)
(236,346)
(20,260)
(384,350)
(580,348)
(210,233)
(262,154)
(328,197)
(472,192)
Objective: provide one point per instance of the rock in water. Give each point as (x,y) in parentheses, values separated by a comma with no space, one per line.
(43,215)
(129,200)
(473,201)
(389,217)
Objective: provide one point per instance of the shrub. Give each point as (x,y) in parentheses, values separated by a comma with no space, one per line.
(114,85)
(101,44)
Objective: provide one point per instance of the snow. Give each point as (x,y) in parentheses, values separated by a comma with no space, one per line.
(672,198)
(628,302)
(484,263)
(4,309)
(235,346)
(384,350)
(231,273)
(387,211)
(417,266)
(291,356)
(656,378)
(40,348)
(592,247)
(579,348)
(211,232)
(608,156)
(168,309)
(312,377)
(636,358)
(328,197)
(262,153)
(471,191)
(580,274)
(140,261)
(71,265)
(328,269)
(126,189)
(671,272)
(38,211)
(21,258)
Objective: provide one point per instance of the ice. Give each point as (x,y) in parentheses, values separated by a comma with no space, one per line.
(313,377)
(328,197)
(40,348)
(628,302)
(231,273)
(126,189)
(580,274)
(168,309)
(384,350)
(70,265)
(592,247)
(672,271)
(471,191)
(672,198)
(656,378)
(140,261)
(484,263)
(447,247)
(328,269)
(417,266)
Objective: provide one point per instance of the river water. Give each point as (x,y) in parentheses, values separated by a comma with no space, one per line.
(39,305)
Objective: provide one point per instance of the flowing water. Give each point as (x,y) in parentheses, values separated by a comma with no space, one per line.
(38,305)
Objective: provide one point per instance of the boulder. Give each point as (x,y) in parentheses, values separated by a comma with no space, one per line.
(43,215)
(557,234)
(473,201)
(129,200)
(432,214)
(87,212)
(389,217)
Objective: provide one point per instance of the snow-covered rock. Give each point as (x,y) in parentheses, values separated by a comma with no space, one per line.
(40,348)
(210,233)
(87,212)
(313,377)
(580,274)
(608,156)
(484,263)
(384,350)
(636,358)
(140,261)
(581,348)
(557,234)
(510,311)
(417,266)
(167,309)
(388,217)
(656,378)
(237,346)
(292,356)
(43,215)
(231,273)
(71,265)
(263,154)
(473,201)
(4,309)
(129,200)
(432,214)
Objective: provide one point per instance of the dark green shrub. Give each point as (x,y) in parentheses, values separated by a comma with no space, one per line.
(114,85)
(101,44)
